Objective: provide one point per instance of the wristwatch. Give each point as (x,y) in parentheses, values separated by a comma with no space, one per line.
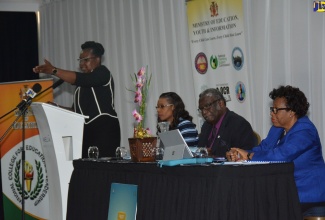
(54,71)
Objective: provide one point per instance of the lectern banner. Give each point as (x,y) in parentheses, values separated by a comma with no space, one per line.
(36,184)
(218,52)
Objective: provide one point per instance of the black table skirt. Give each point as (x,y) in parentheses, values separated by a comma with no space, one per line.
(260,192)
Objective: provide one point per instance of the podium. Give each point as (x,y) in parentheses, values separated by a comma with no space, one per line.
(61,134)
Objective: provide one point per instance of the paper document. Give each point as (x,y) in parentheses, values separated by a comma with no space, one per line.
(245,162)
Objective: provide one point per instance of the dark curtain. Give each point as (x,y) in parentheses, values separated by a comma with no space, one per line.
(19,53)
(19,46)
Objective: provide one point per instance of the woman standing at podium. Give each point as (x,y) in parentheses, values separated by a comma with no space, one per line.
(93,97)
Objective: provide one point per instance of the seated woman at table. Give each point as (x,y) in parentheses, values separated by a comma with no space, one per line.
(171,108)
(292,138)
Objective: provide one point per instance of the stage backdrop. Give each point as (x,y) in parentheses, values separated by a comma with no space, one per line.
(218,53)
(36,183)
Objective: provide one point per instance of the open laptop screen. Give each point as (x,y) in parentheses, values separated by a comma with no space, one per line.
(175,145)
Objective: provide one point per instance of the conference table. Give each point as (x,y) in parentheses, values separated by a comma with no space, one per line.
(198,192)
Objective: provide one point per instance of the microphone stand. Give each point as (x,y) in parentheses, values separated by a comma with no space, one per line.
(6,132)
(23,114)
(7,113)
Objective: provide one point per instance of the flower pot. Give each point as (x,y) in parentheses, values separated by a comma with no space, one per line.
(143,149)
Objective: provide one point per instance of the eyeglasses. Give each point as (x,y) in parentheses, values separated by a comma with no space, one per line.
(207,106)
(163,106)
(275,110)
(84,60)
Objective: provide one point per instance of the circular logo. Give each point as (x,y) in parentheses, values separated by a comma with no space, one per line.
(214,62)
(237,58)
(35,177)
(201,63)
(240,90)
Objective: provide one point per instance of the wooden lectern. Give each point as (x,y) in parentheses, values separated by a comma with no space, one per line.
(61,134)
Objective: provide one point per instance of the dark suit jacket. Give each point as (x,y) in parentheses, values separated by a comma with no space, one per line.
(234,131)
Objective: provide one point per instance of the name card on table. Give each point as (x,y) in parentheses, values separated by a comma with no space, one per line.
(123,202)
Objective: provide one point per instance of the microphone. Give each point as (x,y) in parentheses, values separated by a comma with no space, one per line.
(31,93)
(57,83)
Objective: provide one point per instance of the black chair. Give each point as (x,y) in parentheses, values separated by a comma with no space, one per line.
(258,138)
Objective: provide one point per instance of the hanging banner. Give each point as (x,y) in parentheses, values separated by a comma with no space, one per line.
(11,123)
(218,52)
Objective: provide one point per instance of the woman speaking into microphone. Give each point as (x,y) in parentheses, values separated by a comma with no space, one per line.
(93,97)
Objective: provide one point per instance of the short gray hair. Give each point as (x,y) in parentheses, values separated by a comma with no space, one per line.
(214,93)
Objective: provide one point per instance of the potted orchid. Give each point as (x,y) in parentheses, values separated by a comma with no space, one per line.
(141,81)
(142,145)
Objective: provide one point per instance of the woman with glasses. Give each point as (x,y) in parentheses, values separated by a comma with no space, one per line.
(170,108)
(292,138)
(222,128)
(94,97)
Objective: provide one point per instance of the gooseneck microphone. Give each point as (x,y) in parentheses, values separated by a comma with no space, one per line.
(56,84)
(30,93)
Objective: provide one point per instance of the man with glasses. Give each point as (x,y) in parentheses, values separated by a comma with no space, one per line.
(222,128)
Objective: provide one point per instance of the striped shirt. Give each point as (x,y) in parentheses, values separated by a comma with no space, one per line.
(189,132)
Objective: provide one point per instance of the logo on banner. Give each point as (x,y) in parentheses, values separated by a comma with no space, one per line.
(224,90)
(201,63)
(35,178)
(319,6)
(214,9)
(237,58)
(214,62)
(240,91)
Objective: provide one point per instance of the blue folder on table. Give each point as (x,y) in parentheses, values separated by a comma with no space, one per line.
(123,202)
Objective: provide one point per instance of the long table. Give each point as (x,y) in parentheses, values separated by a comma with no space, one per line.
(265,191)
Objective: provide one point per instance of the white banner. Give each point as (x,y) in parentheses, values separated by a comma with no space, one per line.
(217,41)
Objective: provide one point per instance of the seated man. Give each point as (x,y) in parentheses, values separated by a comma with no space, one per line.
(222,128)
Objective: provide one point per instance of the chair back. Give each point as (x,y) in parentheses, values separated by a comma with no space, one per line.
(258,138)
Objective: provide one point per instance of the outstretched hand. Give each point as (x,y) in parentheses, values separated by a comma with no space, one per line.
(47,68)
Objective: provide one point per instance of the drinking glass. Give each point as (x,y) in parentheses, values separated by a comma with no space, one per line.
(93,152)
(121,152)
(159,153)
(201,152)
(163,126)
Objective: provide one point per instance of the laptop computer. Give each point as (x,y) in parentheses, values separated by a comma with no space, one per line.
(175,146)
